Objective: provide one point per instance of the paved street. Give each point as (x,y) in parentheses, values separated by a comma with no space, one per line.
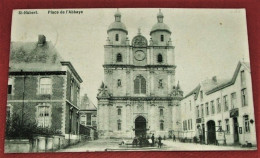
(169,145)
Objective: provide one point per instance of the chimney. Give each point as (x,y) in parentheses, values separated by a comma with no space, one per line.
(41,40)
(214,78)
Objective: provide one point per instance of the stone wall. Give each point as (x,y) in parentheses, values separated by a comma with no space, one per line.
(32,98)
(31,88)
(38,144)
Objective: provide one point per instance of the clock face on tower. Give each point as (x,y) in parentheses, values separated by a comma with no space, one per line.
(139,55)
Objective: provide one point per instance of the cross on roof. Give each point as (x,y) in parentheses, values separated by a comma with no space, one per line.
(139,31)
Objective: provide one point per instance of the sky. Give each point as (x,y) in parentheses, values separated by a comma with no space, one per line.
(208,42)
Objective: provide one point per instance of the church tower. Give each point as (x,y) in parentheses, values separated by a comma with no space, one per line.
(138,95)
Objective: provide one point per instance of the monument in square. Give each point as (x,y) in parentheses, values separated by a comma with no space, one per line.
(139,95)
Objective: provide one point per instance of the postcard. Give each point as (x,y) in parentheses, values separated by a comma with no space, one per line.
(161,79)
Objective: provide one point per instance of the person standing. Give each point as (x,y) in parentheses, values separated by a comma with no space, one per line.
(153,140)
(200,134)
(135,141)
(141,141)
(159,142)
(174,138)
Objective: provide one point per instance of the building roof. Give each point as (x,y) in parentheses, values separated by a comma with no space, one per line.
(40,56)
(233,79)
(29,56)
(194,91)
(160,27)
(117,24)
(206,85)
(210,85)
(87,104)
(67,63)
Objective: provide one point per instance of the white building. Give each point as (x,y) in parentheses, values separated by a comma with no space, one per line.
(221,111)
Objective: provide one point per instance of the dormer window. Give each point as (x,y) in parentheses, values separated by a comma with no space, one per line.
(159,58)
(162,38)
(117,37)
(118,57)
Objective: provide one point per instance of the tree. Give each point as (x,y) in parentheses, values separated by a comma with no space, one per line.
(15,128)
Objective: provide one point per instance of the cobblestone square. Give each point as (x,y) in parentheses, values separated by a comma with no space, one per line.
(168,145)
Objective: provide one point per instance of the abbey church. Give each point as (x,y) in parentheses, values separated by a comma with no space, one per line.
(139,95)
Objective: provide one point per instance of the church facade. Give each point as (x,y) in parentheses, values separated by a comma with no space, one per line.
(139,95)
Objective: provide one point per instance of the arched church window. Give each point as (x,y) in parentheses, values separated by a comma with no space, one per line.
(117,37)
(160,83)
(118,57)
(161,112)
(161,125)
(118,83)
(119,125)
(118,111)
(162,38)
(139,85)
(159,58)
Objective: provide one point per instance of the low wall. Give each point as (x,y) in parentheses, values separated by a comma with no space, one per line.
(71,139)
(38,144)
(18,146)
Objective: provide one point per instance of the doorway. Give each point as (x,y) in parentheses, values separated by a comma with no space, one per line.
(236,136)
(203,133)
(211,132)
(140,126)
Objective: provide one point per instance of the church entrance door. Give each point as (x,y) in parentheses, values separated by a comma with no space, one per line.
(140,126)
